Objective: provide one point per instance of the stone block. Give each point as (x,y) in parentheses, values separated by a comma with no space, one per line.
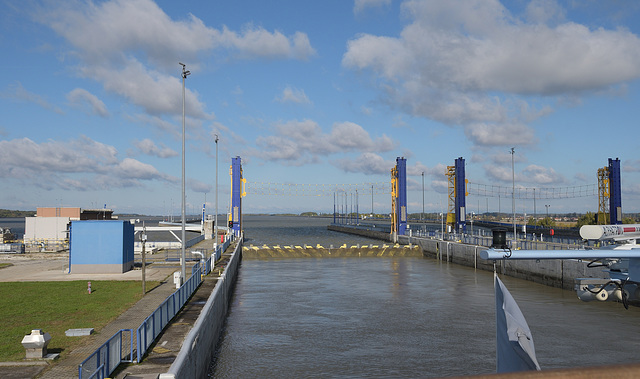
(78,332)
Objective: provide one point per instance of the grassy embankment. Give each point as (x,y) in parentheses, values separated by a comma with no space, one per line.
(57,306)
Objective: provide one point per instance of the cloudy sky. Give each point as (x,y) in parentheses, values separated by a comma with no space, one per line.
(316,93)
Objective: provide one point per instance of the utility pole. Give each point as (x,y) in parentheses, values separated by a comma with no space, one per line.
(513,196)
(534,206)
(422,214)
(372,200)
(143,239)
(183,263)
(215,245)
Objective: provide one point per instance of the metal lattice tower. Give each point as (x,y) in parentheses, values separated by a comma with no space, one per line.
(451,210)
(603,196)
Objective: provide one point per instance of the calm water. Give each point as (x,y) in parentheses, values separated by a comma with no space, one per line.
(16,224)
(283,230)
(407,317)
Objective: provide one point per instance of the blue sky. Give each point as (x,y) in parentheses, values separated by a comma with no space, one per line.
(315,93)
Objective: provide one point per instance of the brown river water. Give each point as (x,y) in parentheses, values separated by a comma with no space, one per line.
(396,317)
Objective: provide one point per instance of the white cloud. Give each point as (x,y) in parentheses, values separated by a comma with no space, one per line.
(488,134)
(418,168)
(541,175)
(198,186)
(544,12)
(64,165)
(157,93)
(132,48)
(159,123)
(83,98)
(361,5)
(147,146)
(304,141)
(532,174)
(293,95)
(258,42)
(17,92)
(367,163)
(472,63)
(132,168)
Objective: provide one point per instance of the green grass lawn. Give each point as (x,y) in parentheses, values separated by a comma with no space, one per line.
(57,306)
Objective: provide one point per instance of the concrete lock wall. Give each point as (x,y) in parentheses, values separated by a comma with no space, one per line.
(552,272)
(200,344)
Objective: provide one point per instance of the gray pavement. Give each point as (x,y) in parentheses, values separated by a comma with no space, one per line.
(45,267)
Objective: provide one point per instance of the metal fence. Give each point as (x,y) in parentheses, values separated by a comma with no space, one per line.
(107,357)
(102,362)
(153,325)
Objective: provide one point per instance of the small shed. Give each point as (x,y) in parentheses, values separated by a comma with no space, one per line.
(101,246)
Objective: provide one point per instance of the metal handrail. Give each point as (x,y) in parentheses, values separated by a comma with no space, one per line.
(104,356)
(153,325)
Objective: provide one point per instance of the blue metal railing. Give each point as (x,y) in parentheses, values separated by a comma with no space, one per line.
(153,325)
(102,362)
(107,357)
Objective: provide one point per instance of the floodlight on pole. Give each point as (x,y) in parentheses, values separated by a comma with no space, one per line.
(513,195)
(183,264)
(422,214)
(216,217)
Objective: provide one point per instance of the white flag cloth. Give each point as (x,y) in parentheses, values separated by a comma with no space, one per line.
(514,350)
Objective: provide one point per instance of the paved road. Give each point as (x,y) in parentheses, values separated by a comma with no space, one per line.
(45,267)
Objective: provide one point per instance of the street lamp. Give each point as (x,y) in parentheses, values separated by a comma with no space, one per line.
(547,206)
(216,216)
(422,215)
(472,214)
(513,194)
(183,272)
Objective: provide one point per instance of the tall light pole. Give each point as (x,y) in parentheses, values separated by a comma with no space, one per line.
(216,216)
(513,194)
(422,215)
(534,205)
(547,205)
(372,200)
(183,265)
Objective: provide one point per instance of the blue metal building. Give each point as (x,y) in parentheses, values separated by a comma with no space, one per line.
(101,246)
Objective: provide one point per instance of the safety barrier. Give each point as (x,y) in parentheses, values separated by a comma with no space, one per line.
(194,357)
(45,244)
(11,248)
(102,362)
(153,325)
(107,357)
